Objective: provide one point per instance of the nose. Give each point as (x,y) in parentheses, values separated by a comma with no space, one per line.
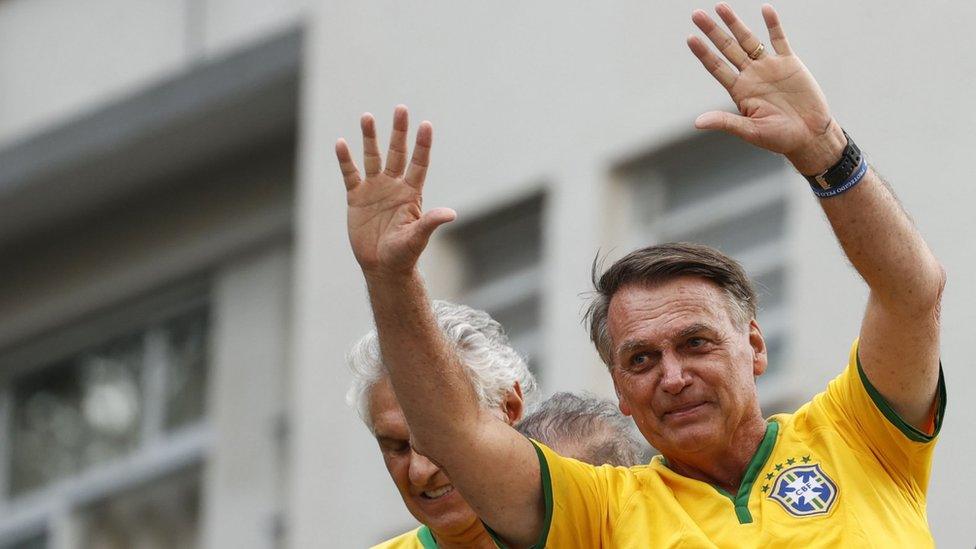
(422,469)
(673,376)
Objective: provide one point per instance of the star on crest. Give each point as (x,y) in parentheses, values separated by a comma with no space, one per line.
(806,459)
(790,461)
(779,466)
(765,488)
(769,476)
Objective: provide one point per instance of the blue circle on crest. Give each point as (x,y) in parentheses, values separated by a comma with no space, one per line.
(804,490)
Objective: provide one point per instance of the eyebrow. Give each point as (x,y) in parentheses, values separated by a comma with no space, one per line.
(631,345)
(694,329)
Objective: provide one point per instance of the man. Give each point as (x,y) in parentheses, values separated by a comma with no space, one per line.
(586,428)
(503,383)
(574,426)
(676,326)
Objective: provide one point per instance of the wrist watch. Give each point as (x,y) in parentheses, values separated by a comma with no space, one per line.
(841,176)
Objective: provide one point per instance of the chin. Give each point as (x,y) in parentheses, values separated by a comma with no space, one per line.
(693,438)
(453,522)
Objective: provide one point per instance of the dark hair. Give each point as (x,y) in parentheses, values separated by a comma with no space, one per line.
(587,428)
(660,263)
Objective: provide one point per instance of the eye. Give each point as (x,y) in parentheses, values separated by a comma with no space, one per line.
(640,360)
(696,342)
(396,446)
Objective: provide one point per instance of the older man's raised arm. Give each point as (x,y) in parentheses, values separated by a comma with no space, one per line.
(782,109)
(494,467)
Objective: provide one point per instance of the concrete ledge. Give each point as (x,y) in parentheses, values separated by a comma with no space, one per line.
(146,139)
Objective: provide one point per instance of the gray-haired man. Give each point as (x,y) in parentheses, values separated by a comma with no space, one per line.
(503,383)
(587,428)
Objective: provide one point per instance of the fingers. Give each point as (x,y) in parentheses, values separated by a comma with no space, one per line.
(417,171)
(731,49)
(712,63)
(396,158)
(740,126)
(371,151)
(747,41)
(777,37)
(350,173)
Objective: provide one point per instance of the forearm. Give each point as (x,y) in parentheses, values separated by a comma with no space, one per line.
(431,386)
(876,233)
(884,246)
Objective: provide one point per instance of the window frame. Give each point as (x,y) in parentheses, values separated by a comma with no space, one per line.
(46,509)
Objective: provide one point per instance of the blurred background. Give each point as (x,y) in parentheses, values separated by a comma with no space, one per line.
(176,288)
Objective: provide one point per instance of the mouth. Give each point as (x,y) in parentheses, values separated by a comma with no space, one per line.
(437,493)
(684,411)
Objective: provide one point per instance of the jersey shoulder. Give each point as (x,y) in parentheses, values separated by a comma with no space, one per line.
(407,540)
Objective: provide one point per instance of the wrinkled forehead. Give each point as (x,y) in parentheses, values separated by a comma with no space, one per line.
(664,307)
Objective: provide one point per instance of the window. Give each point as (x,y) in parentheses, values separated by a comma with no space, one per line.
(109,417)
(719,191)
(501,260)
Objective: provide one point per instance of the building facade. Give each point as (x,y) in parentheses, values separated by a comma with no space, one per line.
(176,287)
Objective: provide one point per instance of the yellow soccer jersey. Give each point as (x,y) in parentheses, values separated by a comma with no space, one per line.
(843,471)
(420,538)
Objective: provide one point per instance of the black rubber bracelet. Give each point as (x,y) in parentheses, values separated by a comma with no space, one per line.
(840,173)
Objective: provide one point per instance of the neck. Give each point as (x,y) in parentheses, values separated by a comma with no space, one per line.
(725,465)
(475,537)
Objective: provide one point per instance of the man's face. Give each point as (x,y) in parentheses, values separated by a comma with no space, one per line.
(428,493)
(682,368)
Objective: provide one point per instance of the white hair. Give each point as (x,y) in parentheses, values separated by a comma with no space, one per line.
(493,366)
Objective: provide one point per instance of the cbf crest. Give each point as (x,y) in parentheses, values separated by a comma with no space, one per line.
(803,490)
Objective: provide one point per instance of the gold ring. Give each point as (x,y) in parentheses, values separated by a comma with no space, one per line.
(757,52)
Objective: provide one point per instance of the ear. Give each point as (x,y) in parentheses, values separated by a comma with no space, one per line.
(759,358)
(513,406)
(621,401)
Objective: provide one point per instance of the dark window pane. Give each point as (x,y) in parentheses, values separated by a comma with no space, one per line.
(38,541)
(81,411)
(187,360)
(502,242)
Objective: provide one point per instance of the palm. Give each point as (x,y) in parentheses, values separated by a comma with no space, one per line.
(387,227)
(382,214)
(782,98)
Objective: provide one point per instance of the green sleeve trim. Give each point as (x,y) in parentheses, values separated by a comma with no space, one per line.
(546,480)
(426,537)
(910,431)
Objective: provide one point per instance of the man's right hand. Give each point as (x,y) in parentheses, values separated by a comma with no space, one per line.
(388,229)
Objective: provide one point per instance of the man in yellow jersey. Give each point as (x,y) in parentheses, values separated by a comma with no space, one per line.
(676,326)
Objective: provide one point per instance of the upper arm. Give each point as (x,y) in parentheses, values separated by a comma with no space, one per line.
(498,473)
(899,354)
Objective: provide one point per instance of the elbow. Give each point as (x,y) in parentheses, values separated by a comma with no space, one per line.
(926,300)
(941,278)
(918,297)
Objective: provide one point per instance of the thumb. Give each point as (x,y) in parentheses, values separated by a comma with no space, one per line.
(739,126)
(430,221)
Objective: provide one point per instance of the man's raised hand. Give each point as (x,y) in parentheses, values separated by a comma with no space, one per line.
(781,106)
(388,228)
